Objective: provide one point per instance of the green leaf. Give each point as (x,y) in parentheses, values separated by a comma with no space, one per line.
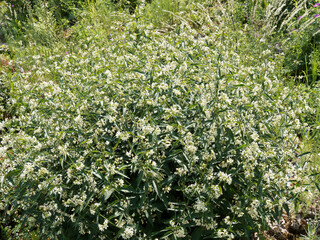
(155,188)
(108,193)
(87,202)
(10,175)
(267,95)
(305,153)
(13,173)
(197,234)
(121,174)
(96,174)
(317,186)
(286,207)
(139,179)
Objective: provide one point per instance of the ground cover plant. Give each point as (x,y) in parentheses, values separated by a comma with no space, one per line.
(126,130)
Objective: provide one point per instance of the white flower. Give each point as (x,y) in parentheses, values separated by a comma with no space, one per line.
(56,190)
(78,120)
(27,171)
(200,206)
(128,233)
(176,91)
(79,166)
(217,191)
(179,232)
(103,226)
(255,136)
(120,182)
(224,177)
(191,149)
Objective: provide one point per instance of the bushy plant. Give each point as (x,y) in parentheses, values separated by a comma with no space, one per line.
(145,135)
(126,4)
(6,66)
(28,17)
(301,44)
(2,13)
(161,12)
(291,28)
(3,100)
(63,9)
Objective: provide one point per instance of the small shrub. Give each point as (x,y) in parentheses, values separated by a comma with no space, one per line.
(302,45)
(144,135)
